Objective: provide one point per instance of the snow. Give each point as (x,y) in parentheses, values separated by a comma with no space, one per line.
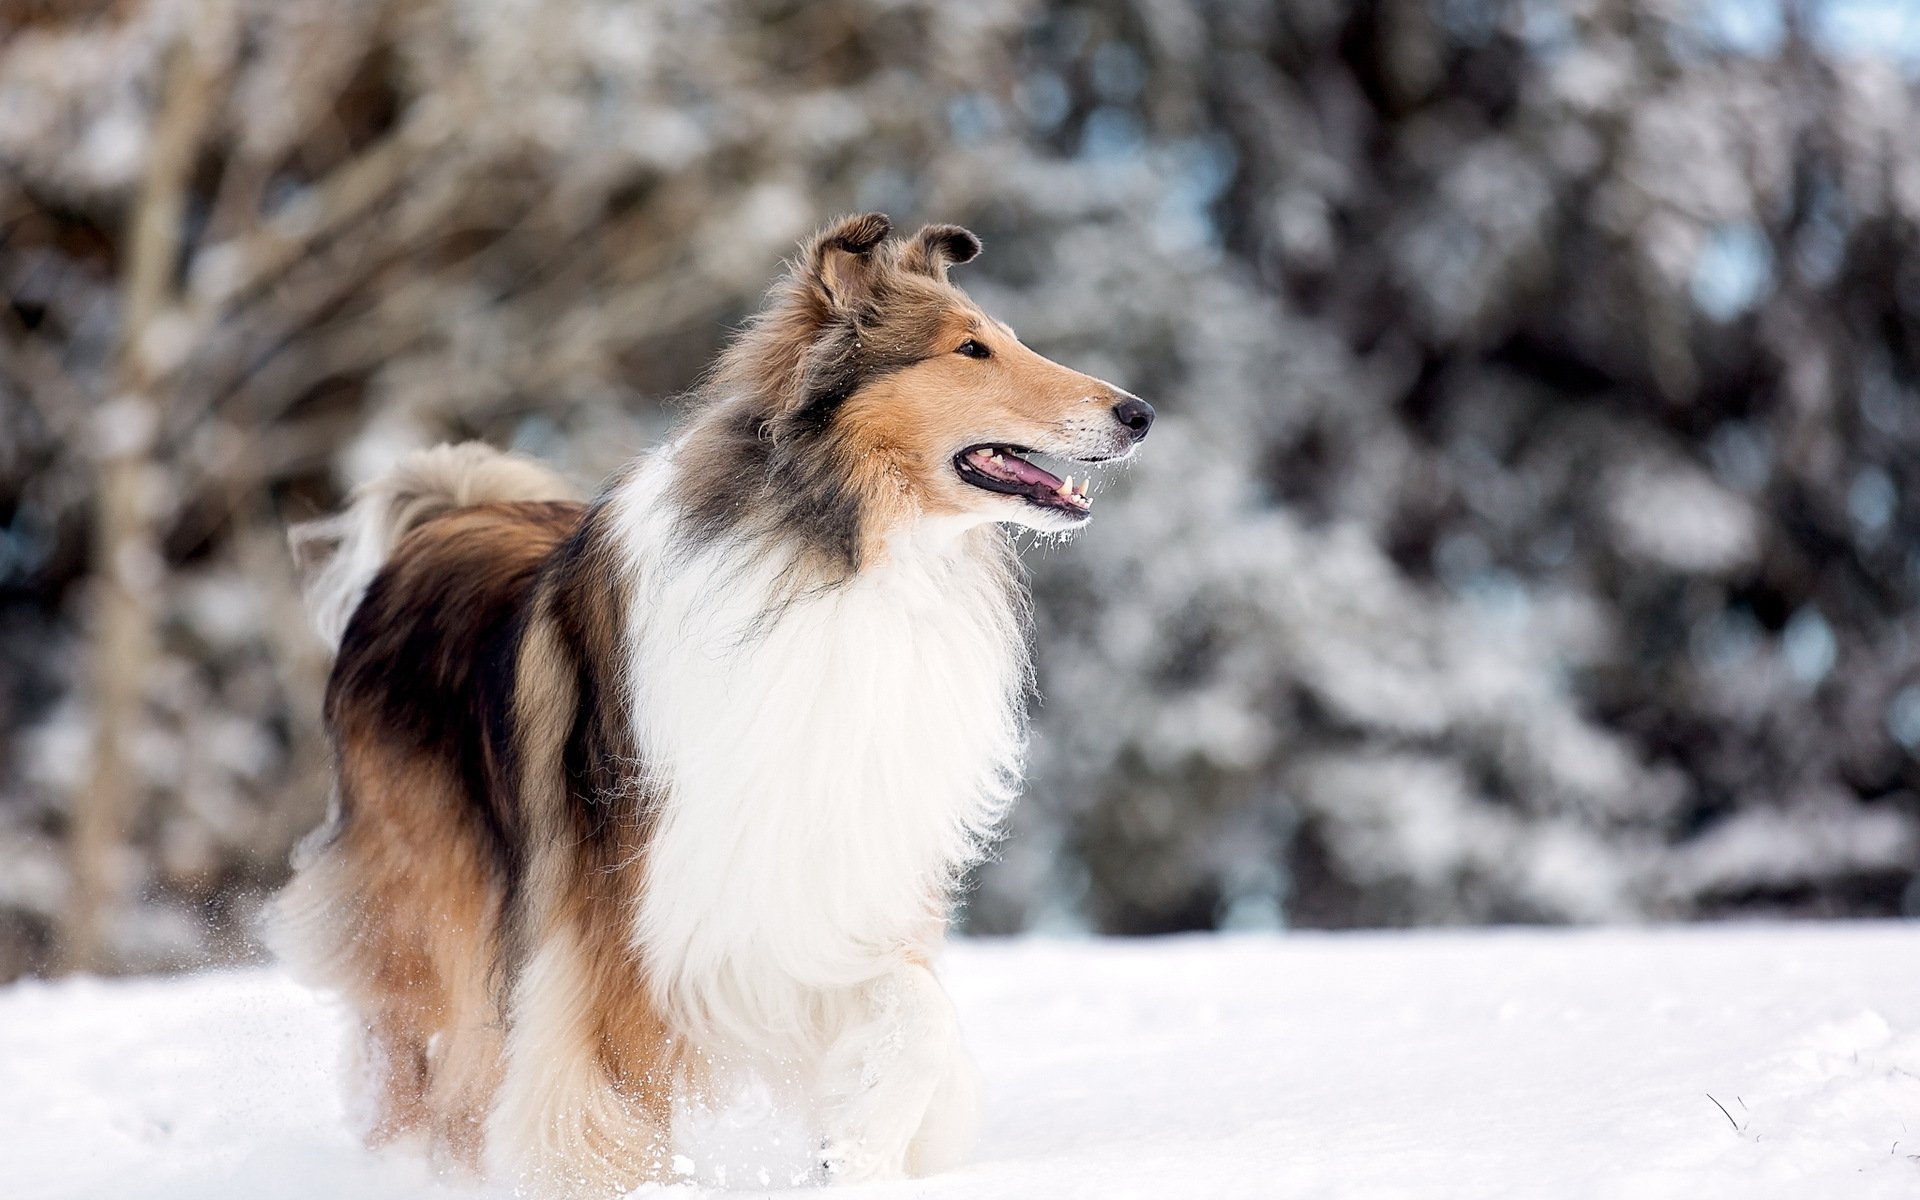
(1484,1064)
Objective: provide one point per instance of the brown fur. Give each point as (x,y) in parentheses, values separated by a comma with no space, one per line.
(458,782)
(490,806)
(835,412)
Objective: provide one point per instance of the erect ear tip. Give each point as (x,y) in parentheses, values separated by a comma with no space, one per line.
(957,245)
(857,234)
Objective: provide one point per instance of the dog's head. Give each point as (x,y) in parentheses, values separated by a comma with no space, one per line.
(875,372)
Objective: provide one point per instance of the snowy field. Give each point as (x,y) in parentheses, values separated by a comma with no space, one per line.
(1562,1064)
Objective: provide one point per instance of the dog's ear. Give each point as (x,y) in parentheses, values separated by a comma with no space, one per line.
(937,247)
(839,260)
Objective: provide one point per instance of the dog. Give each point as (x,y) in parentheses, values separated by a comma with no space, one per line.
(638,793)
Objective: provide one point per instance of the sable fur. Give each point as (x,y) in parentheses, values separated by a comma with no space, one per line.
(679,780)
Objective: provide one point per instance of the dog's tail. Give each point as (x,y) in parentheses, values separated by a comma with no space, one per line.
(337,557)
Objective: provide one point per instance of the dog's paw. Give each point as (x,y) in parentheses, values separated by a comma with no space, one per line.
(845,1160)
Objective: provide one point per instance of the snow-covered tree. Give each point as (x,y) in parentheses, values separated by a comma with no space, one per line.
(1529,534)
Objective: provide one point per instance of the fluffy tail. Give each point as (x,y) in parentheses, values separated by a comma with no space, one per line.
(338,556)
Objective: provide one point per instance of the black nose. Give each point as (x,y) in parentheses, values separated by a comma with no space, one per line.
(1136,414)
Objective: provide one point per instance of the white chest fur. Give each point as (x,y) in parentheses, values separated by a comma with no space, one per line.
(824,770)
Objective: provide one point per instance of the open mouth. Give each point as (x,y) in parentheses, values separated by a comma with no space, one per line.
(1002,469)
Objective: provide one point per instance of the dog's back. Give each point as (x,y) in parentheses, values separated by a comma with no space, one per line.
(423,583)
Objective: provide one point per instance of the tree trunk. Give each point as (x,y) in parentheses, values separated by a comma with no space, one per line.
(128,570)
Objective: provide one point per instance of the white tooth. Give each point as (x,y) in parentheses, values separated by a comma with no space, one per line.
(996,460)
(1066,489)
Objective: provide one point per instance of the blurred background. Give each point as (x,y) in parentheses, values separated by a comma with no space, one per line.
(1532,531)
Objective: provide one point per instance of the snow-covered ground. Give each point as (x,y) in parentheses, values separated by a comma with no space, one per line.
(1562,1064)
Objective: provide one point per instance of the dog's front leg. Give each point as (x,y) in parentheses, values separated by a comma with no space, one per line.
(899,1089)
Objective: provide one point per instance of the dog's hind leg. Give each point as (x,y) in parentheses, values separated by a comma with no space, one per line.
(585,1105)
(333,938)
(465,1057)
(390,1060)
(392,907)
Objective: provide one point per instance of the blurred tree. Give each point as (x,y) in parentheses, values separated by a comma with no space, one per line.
(1530,534)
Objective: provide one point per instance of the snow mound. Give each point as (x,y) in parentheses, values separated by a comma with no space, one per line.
(1506,1063)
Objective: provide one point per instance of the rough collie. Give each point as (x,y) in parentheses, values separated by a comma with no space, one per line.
(639,792)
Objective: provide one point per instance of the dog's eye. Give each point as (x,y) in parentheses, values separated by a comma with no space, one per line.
(973,349)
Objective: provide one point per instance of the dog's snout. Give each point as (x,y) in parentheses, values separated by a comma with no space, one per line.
(1136,414)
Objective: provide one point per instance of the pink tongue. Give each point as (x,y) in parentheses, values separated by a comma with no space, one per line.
(1021,471)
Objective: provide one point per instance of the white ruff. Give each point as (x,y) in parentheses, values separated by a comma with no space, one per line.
(825,768)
